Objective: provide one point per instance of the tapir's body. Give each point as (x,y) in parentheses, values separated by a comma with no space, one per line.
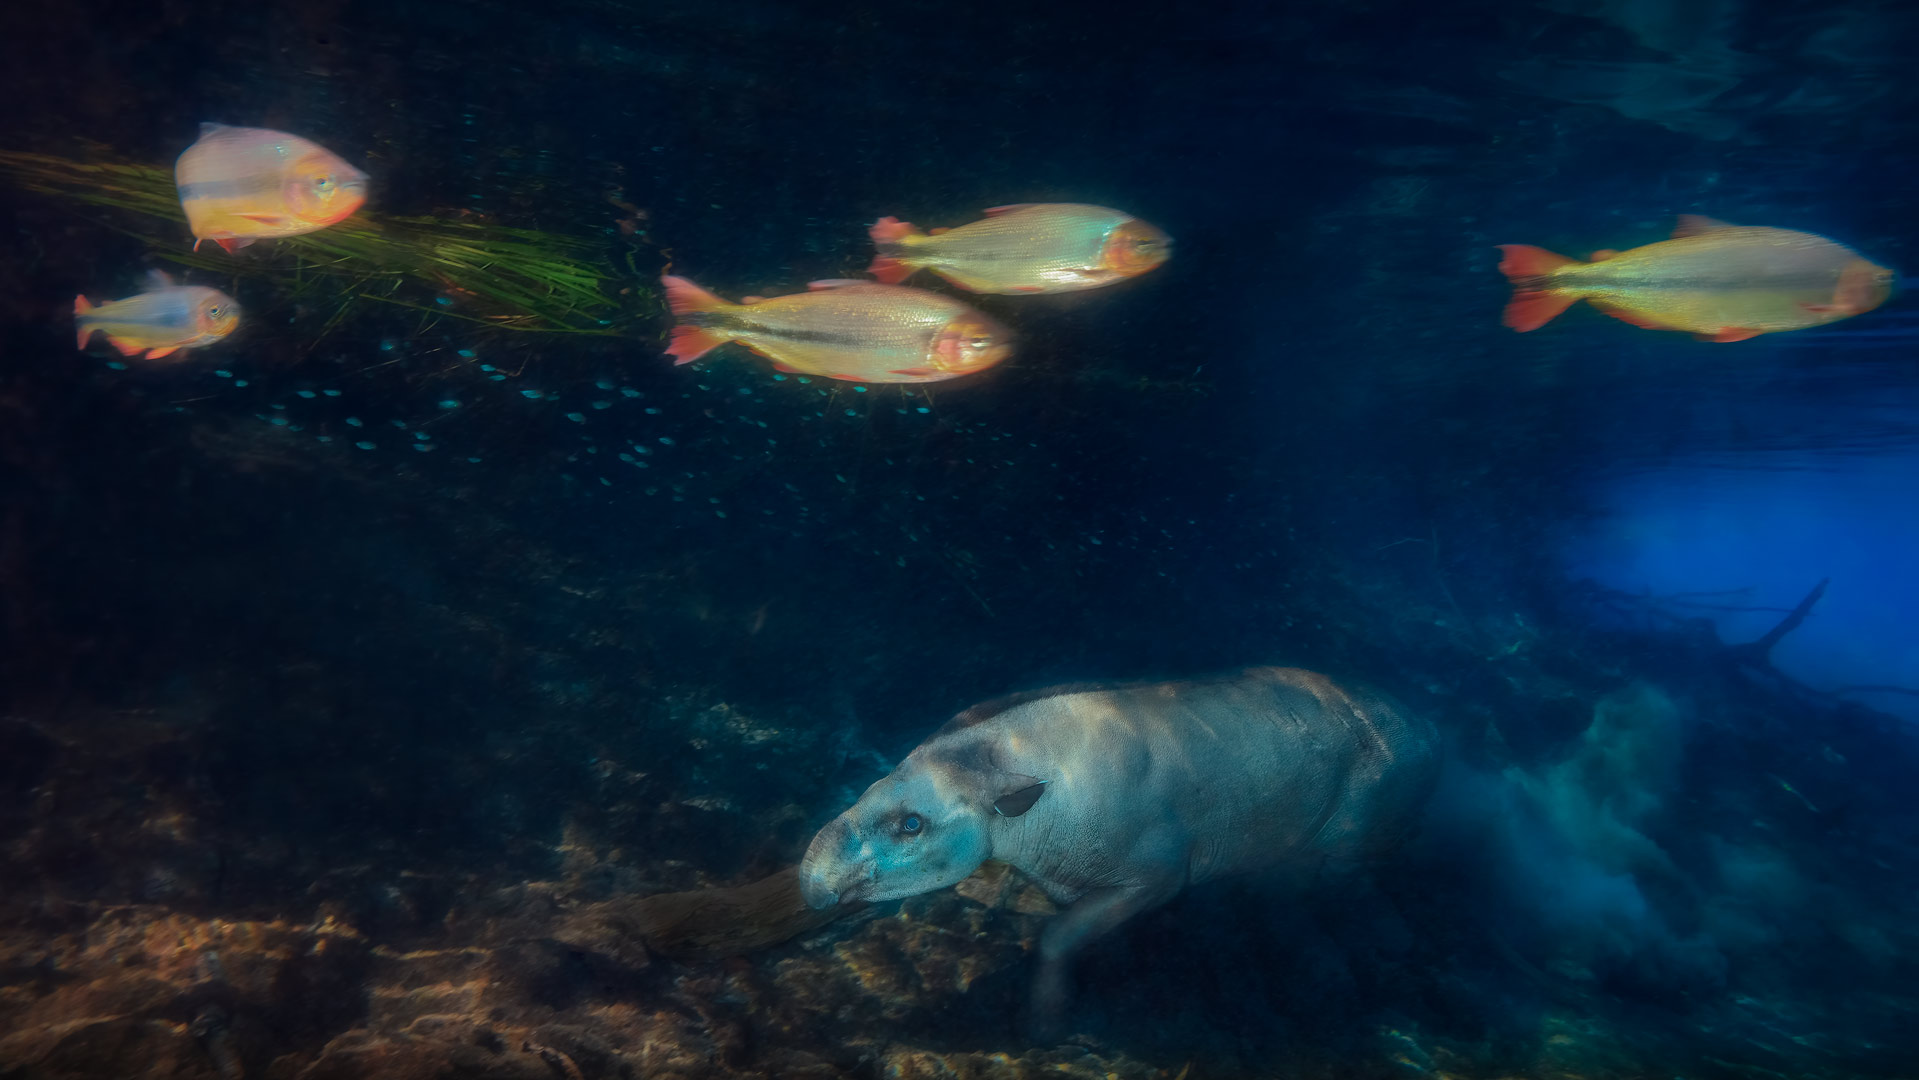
(1114,799)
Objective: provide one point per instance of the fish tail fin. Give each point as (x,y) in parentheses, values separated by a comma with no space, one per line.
(689,302)
(82,325)
(685,298)
(889,243)
(1536,300)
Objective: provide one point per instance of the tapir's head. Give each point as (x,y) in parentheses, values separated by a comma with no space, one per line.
(925,826)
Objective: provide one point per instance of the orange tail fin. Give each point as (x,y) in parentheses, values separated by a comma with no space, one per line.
(1535,302)
(889,235)
(689,302)
(81,305)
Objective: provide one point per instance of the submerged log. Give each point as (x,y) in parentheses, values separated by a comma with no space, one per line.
(702,924)
(1759,653)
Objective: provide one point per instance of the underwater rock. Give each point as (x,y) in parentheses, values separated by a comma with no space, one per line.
(443,1050)
(904,1063)
(111,1046)
(138,992)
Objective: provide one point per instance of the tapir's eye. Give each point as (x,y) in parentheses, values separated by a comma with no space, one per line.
(910,825)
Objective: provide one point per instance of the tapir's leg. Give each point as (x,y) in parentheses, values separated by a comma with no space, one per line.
(1090,917)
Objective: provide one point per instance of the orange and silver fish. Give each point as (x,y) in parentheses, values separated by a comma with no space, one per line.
(1029,248)
(239,185)
(161,321)
(858,331)
(1720,282)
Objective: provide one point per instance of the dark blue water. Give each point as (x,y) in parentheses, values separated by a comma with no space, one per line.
(447,633)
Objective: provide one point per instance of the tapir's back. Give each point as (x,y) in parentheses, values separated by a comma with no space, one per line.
(1211,777)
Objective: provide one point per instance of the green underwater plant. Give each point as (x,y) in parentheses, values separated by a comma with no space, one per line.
(500,276)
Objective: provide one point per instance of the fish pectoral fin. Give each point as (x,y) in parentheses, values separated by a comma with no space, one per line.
(1730,333)
(916,372)
(834,283)
(125,349)
(158,353)
(275,220)
(232,245)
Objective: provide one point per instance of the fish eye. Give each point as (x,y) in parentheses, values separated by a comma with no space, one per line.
(322,183)
(910,825)
(215,311)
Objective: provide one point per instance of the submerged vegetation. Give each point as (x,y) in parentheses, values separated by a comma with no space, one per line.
(500,276)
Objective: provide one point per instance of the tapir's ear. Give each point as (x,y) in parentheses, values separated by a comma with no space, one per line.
(1020,799)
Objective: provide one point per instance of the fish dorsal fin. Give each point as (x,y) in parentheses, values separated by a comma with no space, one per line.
(995,211)
(159,279)
(834,283)
(1698,225)
(208,127)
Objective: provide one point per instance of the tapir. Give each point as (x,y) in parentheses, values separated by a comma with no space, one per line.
(1113,799)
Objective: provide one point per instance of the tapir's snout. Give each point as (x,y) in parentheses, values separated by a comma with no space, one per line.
(828,866)
(816,888)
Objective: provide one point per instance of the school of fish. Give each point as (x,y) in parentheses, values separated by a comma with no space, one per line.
(881,331)
(236,186)
(1719,282)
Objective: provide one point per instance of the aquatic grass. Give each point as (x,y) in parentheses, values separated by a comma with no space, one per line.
(501,276)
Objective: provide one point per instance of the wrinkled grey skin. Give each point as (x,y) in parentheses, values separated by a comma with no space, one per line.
(1114,799)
